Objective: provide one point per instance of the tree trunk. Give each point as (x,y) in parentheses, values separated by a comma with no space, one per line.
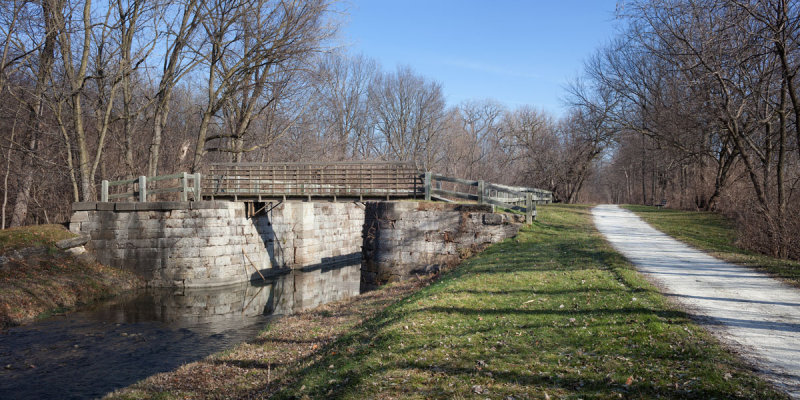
(35,124)
(160,120)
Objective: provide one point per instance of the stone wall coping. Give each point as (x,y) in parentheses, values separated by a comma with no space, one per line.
(407,206)
(150,206)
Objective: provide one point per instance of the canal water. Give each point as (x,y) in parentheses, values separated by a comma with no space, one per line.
(89,353)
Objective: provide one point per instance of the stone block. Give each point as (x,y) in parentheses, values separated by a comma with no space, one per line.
(181,232)
(177,214)
(205,205)
(91,226)
(218,241)
(173,205)
(492,219)
(302,241)
(142,233)
(125,206)
(175,223)
(80,216)
(75,227)
(213,251)
(231,205)
(185,262)
(107,206)
(171,242)
(148,224)
(216,222)
(149,206)
(304,258)
(185,252)
(223,261)
(107,234)
(84,206)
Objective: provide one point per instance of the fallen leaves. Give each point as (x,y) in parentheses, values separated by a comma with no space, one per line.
(629,381)
(478,389)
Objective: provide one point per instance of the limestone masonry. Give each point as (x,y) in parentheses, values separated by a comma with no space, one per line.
(213,243)
(206,243)
(404,238)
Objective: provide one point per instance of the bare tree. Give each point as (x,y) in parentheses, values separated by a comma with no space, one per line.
(536,146)
(481,122)
(252,46)
(340,104)
(42,70)
(177,63)
(738,58)
(409,116)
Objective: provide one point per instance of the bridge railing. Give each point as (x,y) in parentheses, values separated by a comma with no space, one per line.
(307,180)
(142,187)
(511,197)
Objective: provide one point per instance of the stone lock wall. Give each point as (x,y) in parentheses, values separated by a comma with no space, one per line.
(299,234)
(405,238)
(208,243)
(214,243)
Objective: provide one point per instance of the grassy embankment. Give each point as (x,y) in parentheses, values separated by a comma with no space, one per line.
(553,313)
(716,235)
(37,279)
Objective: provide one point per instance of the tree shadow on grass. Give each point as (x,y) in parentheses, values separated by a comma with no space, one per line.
(358,371)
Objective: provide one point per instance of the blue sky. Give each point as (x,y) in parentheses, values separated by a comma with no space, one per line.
(516,52)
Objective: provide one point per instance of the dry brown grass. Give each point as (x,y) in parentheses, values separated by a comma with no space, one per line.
(37,280)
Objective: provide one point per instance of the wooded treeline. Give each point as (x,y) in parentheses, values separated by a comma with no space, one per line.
(704,98)
(695,102)
(121,88)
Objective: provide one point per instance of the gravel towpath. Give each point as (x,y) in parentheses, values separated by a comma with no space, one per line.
(758,316)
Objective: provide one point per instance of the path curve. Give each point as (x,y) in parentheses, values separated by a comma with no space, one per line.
(758,314)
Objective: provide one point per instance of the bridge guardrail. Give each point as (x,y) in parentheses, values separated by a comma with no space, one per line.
(342,179)
(512,197)
(307,180)
(139,189)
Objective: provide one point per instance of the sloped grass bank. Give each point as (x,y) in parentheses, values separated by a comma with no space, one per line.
(37,279)
(716,235)
(555,313)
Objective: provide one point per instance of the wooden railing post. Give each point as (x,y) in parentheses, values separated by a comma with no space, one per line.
(427,184)
(480,192)
(104,191)
(197,187)
(185,187)
(143,188)
(530,208)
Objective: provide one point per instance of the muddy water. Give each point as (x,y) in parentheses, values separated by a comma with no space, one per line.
(89,353)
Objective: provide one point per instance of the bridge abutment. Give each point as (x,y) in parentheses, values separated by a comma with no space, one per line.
(214,243)
(356,245)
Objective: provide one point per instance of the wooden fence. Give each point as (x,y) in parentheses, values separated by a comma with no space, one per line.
(143,186)
(510,197)
(306,180)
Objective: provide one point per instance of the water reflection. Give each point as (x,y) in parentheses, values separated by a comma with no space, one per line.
(89,353)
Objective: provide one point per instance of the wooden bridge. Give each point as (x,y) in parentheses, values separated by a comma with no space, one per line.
(372,180)
(259,182)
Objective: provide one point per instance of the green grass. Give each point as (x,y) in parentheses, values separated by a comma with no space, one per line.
(715,234)
(32,236)
(554,313)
